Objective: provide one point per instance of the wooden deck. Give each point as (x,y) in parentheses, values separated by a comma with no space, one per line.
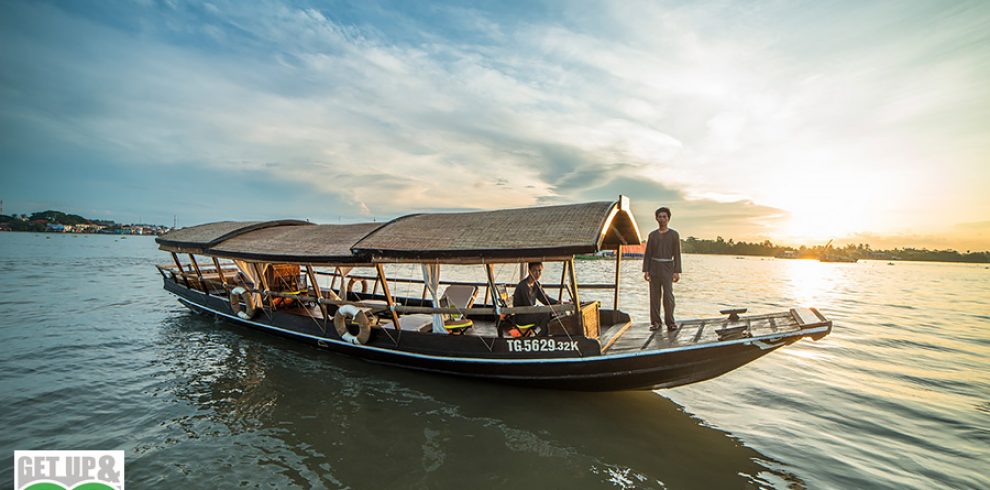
(711,330)
(625,338)
(618,338)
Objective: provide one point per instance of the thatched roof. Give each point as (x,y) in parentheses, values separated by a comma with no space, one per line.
(306,244)
(196,239)
(550,231)
(525,233)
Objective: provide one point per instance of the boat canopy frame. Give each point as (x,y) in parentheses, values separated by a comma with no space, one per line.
(519,236)
(548,233)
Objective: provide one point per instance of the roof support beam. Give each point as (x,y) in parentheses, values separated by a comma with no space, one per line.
(199,274)
(182,272)
(319,295)
(223,278)
(618,270)
(388,296)
(577,299)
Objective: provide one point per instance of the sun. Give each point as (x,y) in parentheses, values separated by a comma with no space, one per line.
(822,215)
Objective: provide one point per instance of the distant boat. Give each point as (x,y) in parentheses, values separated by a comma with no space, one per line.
(830,255)
(264,275)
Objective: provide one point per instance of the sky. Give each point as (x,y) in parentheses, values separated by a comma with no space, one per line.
(797,122)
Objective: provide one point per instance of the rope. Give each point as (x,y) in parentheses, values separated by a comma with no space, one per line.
(398,328)
(393,339)
(559,321)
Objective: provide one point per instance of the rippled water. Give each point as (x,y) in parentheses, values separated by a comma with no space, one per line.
(97,356)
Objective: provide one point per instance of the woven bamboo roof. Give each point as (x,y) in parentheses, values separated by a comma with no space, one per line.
(306,244)
(197,238)
(549,231)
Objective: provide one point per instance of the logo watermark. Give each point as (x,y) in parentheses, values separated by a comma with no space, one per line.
(68,470)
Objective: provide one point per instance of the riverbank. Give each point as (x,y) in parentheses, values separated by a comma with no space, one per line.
(979,260)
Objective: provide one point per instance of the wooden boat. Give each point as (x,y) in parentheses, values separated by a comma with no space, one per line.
(830,254)
(304,281)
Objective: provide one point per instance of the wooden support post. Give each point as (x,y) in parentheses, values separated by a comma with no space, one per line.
(574,294)
(618,270)
(317,294)
(177,263)
(199,275)
(195,265)
(182,272)
(490,273)
(388,296)
(260,271)
(563,277)
(312,281)
(489,289)
(223,278)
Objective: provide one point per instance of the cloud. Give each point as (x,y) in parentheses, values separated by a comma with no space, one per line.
(738,115)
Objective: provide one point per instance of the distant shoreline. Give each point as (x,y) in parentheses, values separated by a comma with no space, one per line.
(691,245)
(640,257)
(80,233)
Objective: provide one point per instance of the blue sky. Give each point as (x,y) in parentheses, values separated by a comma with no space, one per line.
(793,121)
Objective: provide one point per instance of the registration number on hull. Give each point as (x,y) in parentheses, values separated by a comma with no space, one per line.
(541,345)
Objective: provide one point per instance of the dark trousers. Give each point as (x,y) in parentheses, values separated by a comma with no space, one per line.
(662,293)
(540,319)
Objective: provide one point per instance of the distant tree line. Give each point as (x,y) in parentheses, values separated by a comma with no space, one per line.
(847,253)
(39,221)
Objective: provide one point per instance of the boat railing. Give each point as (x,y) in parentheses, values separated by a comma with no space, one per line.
(457,283)
(205,279)
(191,280)
(560,309)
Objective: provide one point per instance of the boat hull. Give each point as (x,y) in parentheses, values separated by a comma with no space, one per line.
(556,362)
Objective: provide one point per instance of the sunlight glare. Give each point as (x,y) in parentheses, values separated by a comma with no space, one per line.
(808,281)
(832,209)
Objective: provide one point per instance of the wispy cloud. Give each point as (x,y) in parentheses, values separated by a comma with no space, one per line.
(738,115)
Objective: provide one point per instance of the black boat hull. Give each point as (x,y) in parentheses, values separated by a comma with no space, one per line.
(557,362)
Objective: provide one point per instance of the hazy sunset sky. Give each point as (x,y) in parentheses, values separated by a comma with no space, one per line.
(793,121)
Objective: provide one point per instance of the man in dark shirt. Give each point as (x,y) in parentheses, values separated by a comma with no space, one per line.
(527,292)
(662,268)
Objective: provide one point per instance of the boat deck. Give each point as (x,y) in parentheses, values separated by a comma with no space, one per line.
(626,337)
(710,330)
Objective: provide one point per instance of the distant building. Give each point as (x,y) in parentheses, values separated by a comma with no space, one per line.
(89,228)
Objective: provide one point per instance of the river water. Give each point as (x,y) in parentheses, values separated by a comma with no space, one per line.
(97,356)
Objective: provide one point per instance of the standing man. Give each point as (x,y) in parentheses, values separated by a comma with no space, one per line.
(662,268)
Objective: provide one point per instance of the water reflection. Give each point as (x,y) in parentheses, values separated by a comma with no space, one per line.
(313,418)
(897,396)
(807,280)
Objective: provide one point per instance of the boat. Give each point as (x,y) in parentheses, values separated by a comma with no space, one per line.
(327,285)
(830,254)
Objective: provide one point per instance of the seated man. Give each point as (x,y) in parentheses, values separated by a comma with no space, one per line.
(527,292)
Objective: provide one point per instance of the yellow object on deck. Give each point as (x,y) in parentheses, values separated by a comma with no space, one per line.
(457,324)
